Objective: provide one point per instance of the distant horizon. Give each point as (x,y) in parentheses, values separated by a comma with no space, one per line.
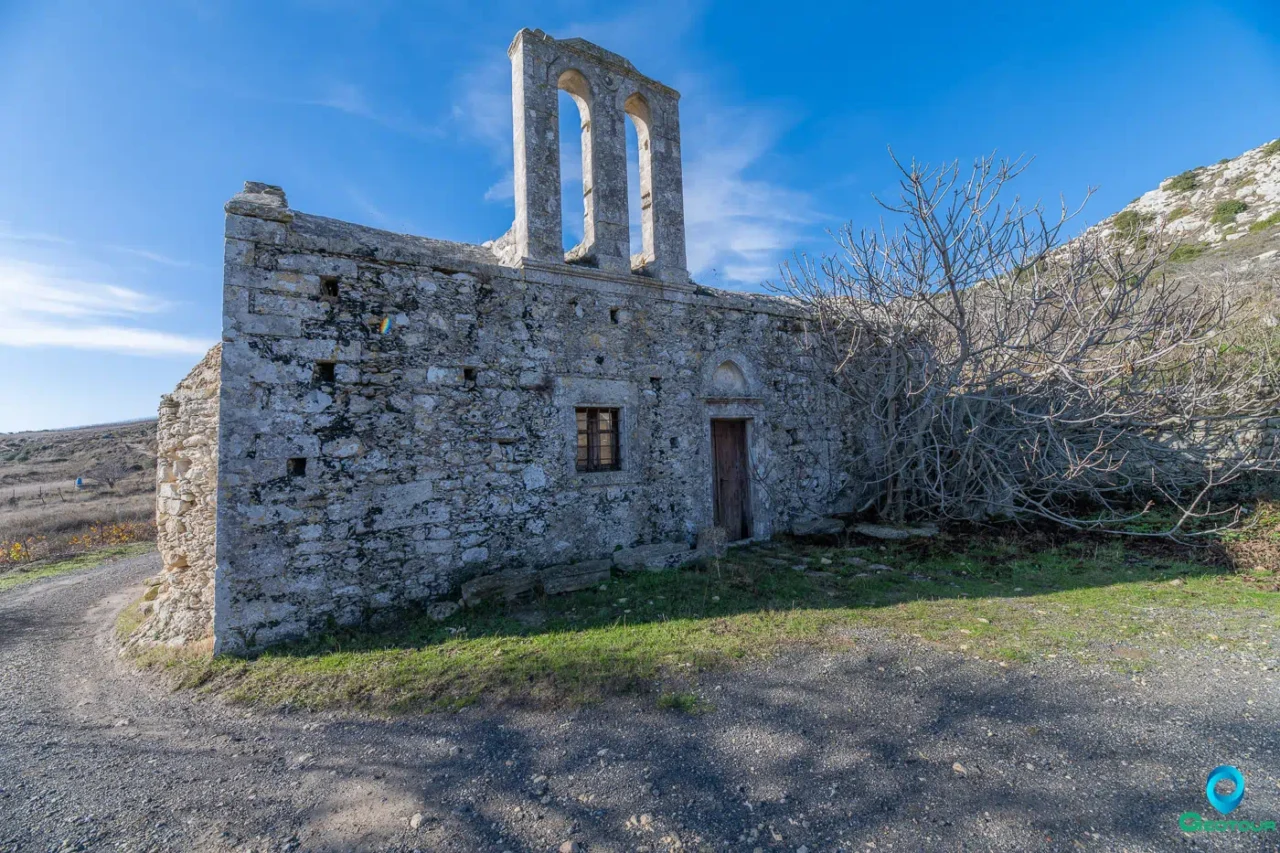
(130,127)
(129,422)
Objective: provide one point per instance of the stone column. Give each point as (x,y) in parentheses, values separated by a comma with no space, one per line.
(667,182)
(537,153)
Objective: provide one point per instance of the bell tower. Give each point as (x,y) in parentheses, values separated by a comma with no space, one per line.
(608,91)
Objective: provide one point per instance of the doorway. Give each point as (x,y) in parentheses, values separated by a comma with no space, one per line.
(731,492)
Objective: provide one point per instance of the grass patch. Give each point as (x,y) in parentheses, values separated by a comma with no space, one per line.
(684,702)
(1131,223)
(29,572)
(1178,212)
(1183,183)
(1226,212)
(1001,596)
(1188,252)
(1271,148)
(129,620)
(1263,224)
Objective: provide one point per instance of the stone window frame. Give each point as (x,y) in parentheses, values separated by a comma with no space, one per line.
(578,392)
(614,433)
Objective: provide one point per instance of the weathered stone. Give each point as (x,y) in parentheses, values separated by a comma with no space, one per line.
(712,541)
(505,586)
(442,610)
(574,576)
(881,531)
(662,555)
(817,527)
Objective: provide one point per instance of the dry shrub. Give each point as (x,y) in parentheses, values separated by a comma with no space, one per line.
(992,370)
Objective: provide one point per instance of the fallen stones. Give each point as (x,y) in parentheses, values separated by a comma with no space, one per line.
(713,541)
(882,531)
(506,585)
(654,558)
(817,527)
(570,577)
(442,610)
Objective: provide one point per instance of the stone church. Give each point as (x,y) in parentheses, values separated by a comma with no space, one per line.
(393,420)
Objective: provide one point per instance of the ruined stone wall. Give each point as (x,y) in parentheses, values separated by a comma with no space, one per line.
(179,603)
(443,446)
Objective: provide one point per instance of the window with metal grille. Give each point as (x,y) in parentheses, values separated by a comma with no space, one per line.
(598,440)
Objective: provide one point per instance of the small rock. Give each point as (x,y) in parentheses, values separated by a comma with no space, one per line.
(1176,582)
(880,567)
(959,769)
(571,847)
(415,821)
(441,610)
(880,531)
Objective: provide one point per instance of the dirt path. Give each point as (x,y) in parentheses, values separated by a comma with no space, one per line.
(852,751)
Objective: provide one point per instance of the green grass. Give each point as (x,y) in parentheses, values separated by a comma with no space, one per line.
(1271,148)
(1225,212)
(1188,252)
(1184,183)
(1005,598)
(88,560)
(1131,223)
(1263,224)
(1178,212)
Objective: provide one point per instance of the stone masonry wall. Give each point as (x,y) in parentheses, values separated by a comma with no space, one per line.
(442,448)
(179,603)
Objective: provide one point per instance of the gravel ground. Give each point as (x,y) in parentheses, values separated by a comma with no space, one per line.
(880,747)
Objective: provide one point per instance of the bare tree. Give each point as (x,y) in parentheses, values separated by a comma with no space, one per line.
(993,369)
(110,470)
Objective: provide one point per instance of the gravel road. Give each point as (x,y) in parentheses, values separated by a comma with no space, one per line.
(881,747)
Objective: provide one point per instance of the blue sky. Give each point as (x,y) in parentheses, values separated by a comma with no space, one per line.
(124,127)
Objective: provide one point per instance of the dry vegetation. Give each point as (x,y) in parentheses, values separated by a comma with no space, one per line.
(998,371)
(43,514)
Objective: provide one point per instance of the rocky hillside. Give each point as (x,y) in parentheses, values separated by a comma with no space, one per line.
(1207,208)
(1225,220)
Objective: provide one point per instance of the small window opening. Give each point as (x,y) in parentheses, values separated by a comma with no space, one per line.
(329,287)
(598,446)
(655,382)
(469,374)
(613,316)
(296,467)
(675,443)
(326,371)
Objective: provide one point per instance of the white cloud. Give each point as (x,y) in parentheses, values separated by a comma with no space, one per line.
(739,225)
(147,255)
(43,306)
(7,232)
(350,99)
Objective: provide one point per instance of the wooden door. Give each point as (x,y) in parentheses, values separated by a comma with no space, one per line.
(729,455)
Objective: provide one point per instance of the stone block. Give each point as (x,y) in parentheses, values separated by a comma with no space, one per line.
(881,531)
(653,558)
(574,576)
(712,541)
(500,586)
(817,527)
